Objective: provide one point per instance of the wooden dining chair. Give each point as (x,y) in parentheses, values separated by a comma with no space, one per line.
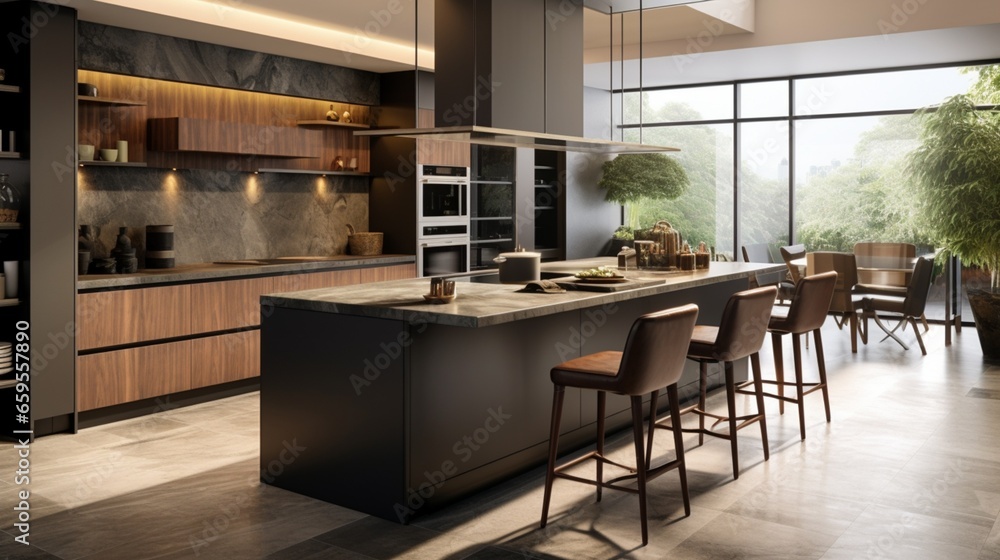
(909,307)
(789,254)
(842,302)
(761,253)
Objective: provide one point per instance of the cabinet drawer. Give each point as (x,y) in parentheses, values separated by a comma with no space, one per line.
(129,316)
(383,273)
(230,304)
(225,358)
(316,280)
(121,376)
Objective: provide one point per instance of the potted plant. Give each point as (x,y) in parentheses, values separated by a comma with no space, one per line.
(957,172)
(631,179)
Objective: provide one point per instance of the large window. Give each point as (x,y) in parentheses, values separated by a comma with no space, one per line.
(844,146)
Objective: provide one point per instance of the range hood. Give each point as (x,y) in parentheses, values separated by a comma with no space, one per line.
(510,73)
(518,139)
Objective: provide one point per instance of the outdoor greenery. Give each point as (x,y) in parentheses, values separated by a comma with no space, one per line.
(870,196)
(957,170)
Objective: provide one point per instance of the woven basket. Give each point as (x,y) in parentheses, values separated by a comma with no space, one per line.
(364,243)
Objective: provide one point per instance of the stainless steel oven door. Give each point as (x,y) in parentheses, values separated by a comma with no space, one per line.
(442,255)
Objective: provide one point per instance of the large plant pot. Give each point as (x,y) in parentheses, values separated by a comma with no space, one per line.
(985,306)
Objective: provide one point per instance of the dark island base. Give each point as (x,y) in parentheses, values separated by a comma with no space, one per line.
(396,419)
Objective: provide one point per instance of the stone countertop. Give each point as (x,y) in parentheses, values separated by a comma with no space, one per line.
(482,305)
(213,271)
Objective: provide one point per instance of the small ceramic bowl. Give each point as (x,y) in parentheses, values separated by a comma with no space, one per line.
(86,152)
(109,154)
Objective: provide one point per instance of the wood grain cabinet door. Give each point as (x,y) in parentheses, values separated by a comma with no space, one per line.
(229,304)
(121,376)
(225,358)
(128,316)
(383,273)
(316,280)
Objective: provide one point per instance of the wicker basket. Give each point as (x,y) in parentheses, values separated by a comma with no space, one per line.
(364,243)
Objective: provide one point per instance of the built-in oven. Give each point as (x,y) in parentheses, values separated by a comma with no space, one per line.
(443,255)
(442,193)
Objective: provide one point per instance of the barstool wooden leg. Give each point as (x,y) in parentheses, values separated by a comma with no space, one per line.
(779,370)
(821,362)
(602,398)
(758,386)
(703,386)
(640,464)
(652,428)
(675,420)
(557,404)
(799,389)
(731,401)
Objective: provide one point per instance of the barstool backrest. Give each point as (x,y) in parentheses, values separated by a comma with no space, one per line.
(655,350)
(811,302)
(744,323)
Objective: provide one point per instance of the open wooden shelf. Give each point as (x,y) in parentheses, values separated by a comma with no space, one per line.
(113,163)
(10,89)
(9,302)
(331,123)
(180,134)
(109,101)
(314,172)
(10,155)
(10,225)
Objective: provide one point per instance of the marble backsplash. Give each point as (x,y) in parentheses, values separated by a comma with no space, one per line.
(138,53)
(223,215)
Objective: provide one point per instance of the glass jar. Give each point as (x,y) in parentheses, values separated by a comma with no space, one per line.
(10,200)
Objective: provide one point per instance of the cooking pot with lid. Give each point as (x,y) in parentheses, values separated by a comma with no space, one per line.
(519,267)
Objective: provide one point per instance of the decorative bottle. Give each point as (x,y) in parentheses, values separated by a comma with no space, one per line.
(10,200)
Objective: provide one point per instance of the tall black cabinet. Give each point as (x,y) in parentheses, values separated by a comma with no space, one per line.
(38,56)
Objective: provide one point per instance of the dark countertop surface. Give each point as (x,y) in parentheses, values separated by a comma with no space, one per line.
(214,271)
(481,304)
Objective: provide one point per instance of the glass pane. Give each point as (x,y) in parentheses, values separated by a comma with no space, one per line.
(884,91)
(705,211)
(686,104)
(764,183)
(764,99)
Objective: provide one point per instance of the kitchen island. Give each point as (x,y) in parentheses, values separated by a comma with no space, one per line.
(376,400)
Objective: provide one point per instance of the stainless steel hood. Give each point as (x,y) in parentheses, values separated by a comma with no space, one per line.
(518,139)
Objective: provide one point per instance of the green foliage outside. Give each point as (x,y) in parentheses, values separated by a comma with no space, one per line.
(869,197)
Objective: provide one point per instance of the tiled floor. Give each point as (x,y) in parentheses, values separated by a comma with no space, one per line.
(909,468)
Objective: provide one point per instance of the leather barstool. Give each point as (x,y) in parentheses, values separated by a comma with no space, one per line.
(740,334)
(806,314)
(653,358)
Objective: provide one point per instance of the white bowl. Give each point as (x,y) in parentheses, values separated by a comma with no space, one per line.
(109,154)
(86,152)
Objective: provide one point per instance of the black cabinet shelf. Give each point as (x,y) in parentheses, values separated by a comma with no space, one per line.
(490,241)
(490,218)
(9,89)
(490,182)
(10,155)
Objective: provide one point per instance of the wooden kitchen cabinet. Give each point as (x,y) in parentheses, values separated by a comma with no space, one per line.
(225,358)
(153,318)
(120,376)
(130,316)
(230,304)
